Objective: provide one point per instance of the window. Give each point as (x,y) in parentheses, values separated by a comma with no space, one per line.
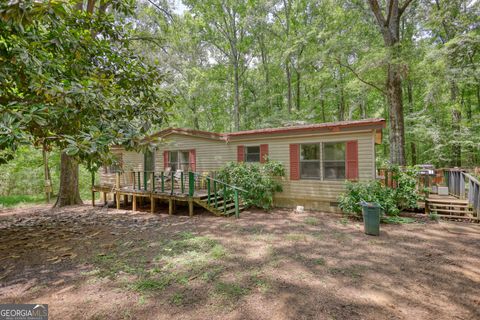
(310,161)
(179,160)
(334,160)
(252,154)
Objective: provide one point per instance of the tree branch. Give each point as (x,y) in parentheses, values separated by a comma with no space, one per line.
(360,78)
(168,14)
(390,11)
(404,7)
(377,12)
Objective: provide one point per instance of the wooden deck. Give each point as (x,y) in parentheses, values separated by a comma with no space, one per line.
(449,207)
(126,196)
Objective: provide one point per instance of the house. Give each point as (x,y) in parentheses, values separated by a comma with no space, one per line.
(318,158)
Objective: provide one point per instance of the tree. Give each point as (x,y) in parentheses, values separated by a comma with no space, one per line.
(389,25)
(225,29)
(72,81)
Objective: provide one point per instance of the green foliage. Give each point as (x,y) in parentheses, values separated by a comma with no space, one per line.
(391,199)
(71,81)
(259,180)
(12,201)
(22,179)
(433,216)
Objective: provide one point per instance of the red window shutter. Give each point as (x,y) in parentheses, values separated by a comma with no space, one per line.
(192,159)
(240,153)
(294,162)
(263,153)
(165,160)
(352,160)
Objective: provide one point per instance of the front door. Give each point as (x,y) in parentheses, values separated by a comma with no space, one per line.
(149,161)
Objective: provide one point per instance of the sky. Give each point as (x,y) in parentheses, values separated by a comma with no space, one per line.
(180,8)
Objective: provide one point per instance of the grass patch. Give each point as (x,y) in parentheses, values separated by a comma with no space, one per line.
(312,221)
(433,216)
(16,200)
(177,299)
(230,290)
(191,252)
(319,262)
(212,274)
(353,272)
(150,285)
(218,251)
(398,220)
(296,237)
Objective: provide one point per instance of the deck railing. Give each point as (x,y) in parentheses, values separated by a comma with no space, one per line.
(464,186)
(183,183)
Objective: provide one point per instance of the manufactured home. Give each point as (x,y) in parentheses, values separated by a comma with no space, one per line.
(318,159)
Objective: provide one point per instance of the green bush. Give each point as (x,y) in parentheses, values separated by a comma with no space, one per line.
(392,200)
(259,180)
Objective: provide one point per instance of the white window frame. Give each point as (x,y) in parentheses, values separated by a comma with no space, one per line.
(178,163)
(245,153)
(300,161)
(333,161)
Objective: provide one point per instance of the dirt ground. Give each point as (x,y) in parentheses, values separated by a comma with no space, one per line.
(94,263)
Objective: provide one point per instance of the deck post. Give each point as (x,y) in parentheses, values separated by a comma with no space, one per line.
(190,207)
(104,198)
(93,187)
(182,185)
(145,180)
(134,202)
(172,182)
(170,206)
(162,178)
(152,204)
(153,181)
(224,198)
(139,185)
(215,193)
(237,211)
(117,200)
(208,190)
(191,183)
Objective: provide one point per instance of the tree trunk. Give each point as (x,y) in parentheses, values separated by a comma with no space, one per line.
(69,193)
(395,103)
(413,146)
(298,90)
(289,85)
(236,107)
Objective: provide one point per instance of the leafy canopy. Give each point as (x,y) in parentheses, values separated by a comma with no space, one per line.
(70,79)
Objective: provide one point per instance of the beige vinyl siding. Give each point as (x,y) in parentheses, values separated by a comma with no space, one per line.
(210,154)
(132,161)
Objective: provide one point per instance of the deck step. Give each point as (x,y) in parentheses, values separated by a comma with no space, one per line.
(446,201)
(452,211)
(448,205)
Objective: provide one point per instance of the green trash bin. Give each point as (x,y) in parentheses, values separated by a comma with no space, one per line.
(371,217)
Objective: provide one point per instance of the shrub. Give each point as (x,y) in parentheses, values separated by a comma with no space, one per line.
(259,180)
(392,200)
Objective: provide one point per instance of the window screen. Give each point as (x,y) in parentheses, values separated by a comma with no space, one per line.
(310,161)
(252,154)
(334,160)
